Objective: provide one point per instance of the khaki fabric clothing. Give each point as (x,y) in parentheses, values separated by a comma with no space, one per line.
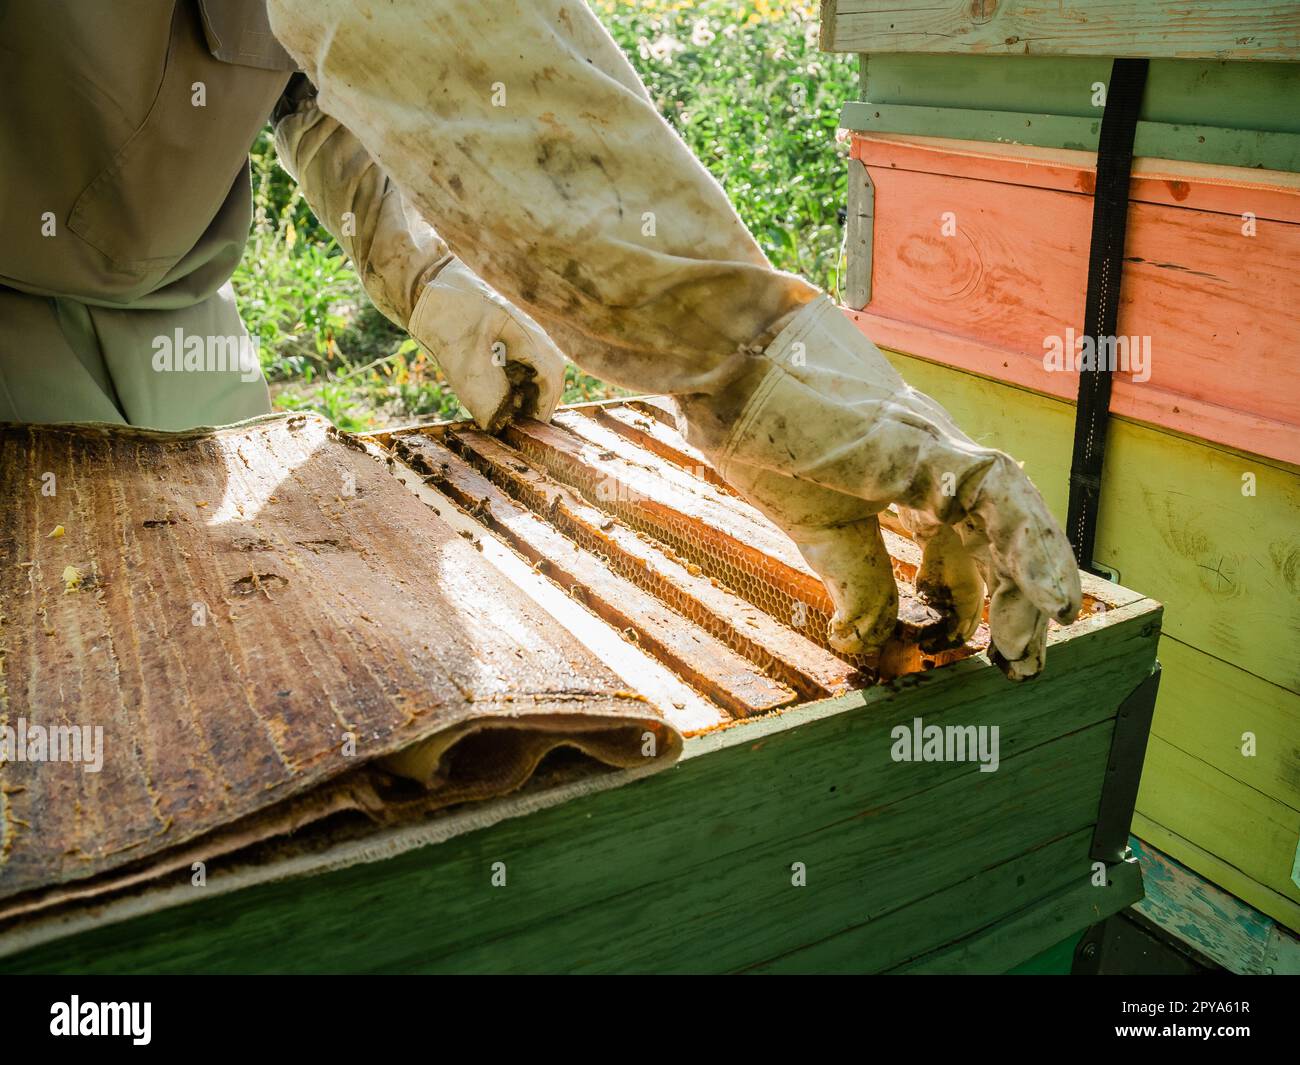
(521,132)
(138,209)
(62,360)
(148,193)
(125,201)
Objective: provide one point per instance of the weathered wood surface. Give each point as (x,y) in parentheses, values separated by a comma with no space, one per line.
(971,229)
(1254,833)
(1175,522)
(657,437)
(1178,93)
(1210,921)
(1001,947)
(690,711)
(859,229)
(524,542)
(1022,880)
(1261,30)
(249,599)
(725,537)
(690,869)
(706,662)
(809,669)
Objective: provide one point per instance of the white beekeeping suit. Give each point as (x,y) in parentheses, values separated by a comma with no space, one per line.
(498,359)
(520,131)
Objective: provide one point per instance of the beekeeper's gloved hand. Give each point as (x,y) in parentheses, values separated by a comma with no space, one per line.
(822,434)
(498,360)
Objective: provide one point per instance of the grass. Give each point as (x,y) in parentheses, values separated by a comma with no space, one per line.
(741,81)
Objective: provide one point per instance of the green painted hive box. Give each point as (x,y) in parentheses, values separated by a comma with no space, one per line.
(901,814)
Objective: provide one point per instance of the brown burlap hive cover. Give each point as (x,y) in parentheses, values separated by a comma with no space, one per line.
(248,613)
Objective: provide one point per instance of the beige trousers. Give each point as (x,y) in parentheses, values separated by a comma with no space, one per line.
(62,360)
(523,135)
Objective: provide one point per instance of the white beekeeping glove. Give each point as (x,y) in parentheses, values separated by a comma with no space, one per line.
(498,360)
(824,435)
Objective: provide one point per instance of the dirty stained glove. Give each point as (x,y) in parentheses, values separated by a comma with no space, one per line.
(499,362)
(822,434)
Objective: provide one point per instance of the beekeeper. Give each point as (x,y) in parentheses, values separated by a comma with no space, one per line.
(521,132)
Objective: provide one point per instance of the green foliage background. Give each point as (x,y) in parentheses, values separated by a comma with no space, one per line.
(741,81)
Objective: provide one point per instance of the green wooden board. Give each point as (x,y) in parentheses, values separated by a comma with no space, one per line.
(1175,524)
(1000,948)
(1179,92)
(1245,727)
(691,869)
(1055,961)
(1198,144)
(1252,832)
(1233,114)
(955,912)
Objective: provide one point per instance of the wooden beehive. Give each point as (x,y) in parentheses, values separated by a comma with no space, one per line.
(986,117)
(791,835)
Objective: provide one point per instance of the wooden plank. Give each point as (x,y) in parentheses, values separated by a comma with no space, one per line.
(1174,520)
(1178,93)
(1269,149)
(1275,194)
(859,234)
(629,418)
(249,602)
(1252,832)
(1245,727)
(658,438)
(659,434)
(705,662)
(682,706)
(968,248)
(717,532)
(904,554)
(1220,872)
(1210,921)
(757,910)
(1003,946)
(600,852)
(662,408)
(1260,30)
(806,667)
(952,913)
(1234,114)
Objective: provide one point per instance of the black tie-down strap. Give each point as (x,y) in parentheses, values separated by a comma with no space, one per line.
(1101,309)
